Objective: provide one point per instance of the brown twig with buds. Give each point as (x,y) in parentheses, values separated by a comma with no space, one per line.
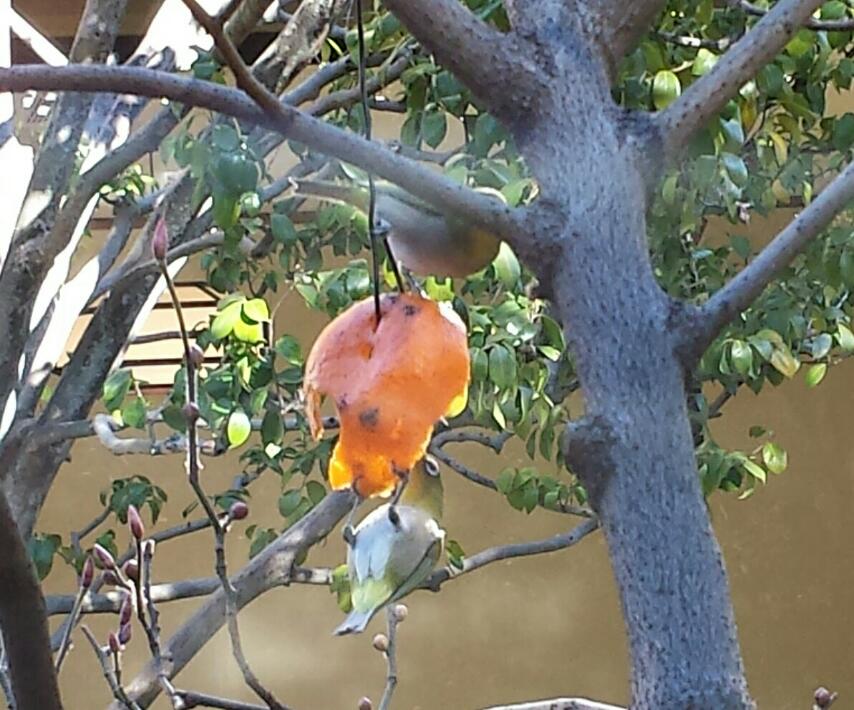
(110,671)
(387,645)
(191,413)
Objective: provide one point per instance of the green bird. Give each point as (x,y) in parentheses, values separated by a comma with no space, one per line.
(395,548)
(422,239)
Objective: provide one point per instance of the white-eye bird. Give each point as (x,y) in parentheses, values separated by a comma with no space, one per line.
(395,548)
(425,241)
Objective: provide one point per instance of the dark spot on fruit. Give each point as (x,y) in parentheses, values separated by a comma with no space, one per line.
(409,310)
(369,418)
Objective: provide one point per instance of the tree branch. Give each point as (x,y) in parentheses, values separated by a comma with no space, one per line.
(420,180)
(111,602)
(813,24)
(711,92)
(466,44)
(558,704)
(624,24)
(706,322)
(505,552)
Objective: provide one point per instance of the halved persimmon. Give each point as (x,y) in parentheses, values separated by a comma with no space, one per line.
(390,385)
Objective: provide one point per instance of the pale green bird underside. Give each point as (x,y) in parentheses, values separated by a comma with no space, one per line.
(388,561)
(425,241)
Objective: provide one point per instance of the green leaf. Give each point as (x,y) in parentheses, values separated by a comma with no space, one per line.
(288,347)
(754,469)
(815,374)
(434,126)
(775,458)
(116,386)
(283,229)
(845,338)
(133,413)
(665,89)
(703,62)
(289,501)
(272,430)
(741,356)
(238,429)
(505,480)
(41,549)
(502,367)
(506,266)
(736,168)
(223,324)
(315,491)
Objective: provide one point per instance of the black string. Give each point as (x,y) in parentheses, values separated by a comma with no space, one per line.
(372,192)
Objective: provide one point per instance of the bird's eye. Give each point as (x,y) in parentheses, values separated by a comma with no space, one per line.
(431,468)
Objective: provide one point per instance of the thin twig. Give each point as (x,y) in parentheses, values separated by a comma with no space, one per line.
(109,674)
(219,529)
(70,623)
(392,620)
(192,699)
(505,552)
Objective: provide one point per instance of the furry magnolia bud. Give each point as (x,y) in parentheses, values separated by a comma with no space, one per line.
(238,510)
(380,643)
(137,529)
(113,642)
(160,241)
(366,704)
(197,356)
(400,612)
(88,573)
(126,611)
(824,698)
(131,570)
(191,412)
(124,634)
(105,559)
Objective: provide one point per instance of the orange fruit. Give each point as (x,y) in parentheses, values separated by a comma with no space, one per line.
(390,385)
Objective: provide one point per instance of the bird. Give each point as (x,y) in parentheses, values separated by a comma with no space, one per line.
(395,547)
(425,241)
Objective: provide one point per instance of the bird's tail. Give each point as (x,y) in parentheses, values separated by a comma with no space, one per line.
(331,191)
(355,623)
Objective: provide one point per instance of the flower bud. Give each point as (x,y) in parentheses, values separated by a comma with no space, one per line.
(113,642)
(238,510)
(137,529)
(160,241)
(191,412)
(88,573)
(824,698)
(366,704)
(380,643)
(197,356)
(124,634)
(400,611)
(131,570)
(105,559)
(126,611)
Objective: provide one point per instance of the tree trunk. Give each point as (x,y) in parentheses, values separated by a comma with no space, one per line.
(633,450)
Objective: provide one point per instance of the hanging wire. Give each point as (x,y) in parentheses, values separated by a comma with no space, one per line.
(372,191)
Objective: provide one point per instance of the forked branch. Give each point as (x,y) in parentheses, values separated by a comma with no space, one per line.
(710,93)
